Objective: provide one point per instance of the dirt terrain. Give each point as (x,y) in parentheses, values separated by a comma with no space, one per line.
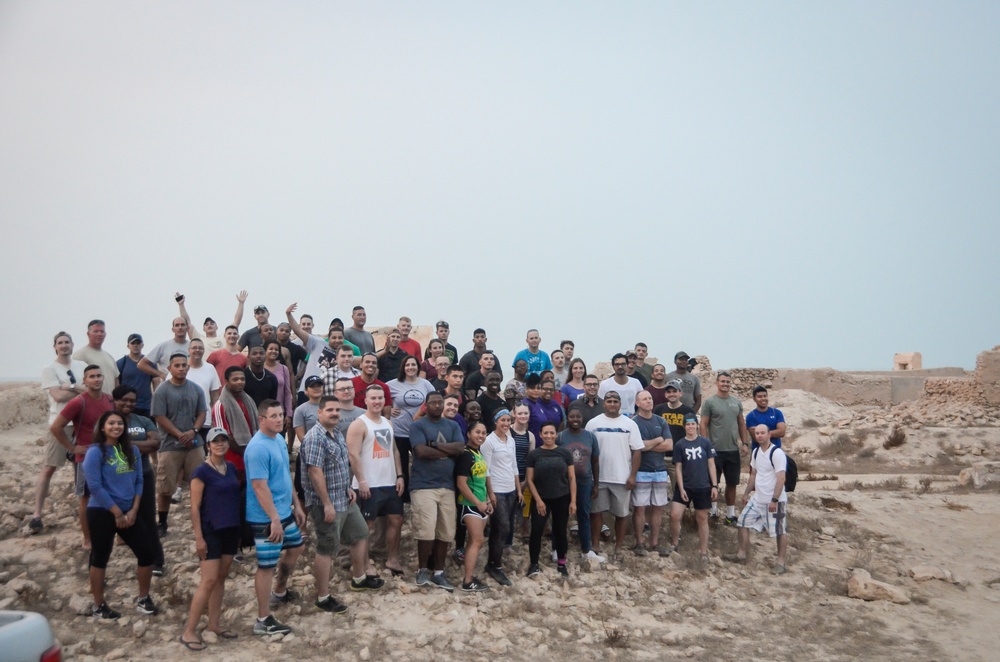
(891,512)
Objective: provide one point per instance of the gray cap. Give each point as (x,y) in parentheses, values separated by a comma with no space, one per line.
(675,384)
(215,433)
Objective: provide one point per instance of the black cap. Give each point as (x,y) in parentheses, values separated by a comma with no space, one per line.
(134,337)
(681,355)
(313,381)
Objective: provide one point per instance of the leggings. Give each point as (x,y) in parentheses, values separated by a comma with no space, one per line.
(147,513)
(102,538)
(403,446)
(558,509)
(500,527)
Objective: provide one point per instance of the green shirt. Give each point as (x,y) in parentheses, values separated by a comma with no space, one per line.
(472,465)
(723,425)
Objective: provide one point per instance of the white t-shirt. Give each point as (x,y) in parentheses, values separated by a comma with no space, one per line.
(109,368)
(767,476)
(56,374)
(207,377)
(617,437)
(628,391)
(501,462)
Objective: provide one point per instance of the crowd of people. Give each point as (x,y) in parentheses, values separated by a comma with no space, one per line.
(281,425)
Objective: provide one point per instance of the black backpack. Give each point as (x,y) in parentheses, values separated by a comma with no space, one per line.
(791,469)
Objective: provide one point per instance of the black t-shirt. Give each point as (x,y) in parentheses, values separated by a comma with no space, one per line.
(490,407)
(298,355)
(470,362)
(551,471)
(588,411)
(642,380)
(674,418)
(474,382)
(439,384)
(260,389)
(390,364)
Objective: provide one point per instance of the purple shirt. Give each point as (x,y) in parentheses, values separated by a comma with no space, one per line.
(542,412)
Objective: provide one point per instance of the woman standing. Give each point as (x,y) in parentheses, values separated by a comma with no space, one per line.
(215,518)
(573,389)
(501,461)
(552,482)
(524,442)
(272,361)
(114,478)
(475,501)
(408,391)
(427,370)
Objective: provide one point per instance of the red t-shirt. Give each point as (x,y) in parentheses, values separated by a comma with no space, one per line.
(411,347)
(84,411)
(223,360)
(359,392)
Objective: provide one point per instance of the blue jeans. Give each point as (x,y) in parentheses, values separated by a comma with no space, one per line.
(583,490)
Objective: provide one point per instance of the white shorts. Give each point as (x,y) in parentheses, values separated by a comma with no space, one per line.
(756,516)
(650,494)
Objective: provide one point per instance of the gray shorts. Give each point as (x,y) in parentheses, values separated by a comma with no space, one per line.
(81,480)
(55,453)
(613,497)
(348,527)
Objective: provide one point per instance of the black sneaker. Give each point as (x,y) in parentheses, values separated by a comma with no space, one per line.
(35,525)
(270,625)
(145,606)
(369,583)
(158,571)
(563,570)
(475,586)
(730,521)
(331,604)
(162,530)
(277,600)
(104,611)
(498,576)
(533,570)
(458,556)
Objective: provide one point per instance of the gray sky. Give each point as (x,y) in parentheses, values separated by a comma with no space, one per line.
(770,184)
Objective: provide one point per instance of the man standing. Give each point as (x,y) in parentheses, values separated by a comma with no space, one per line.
(274,514)
(357,334)
(589,405)
(83,412)
(322,354)
(641,367)
(626,387)
(691,385)
(93,354)
(343,367)
(130,375)
(378,473)
(369,368)
(230,355)
(766,511)
(406,343)
(621,446)
(673,412)
(331,501)
(60,383)
(179,411)
(652,489)
(568,347)
(251,337)
(472,360)
(722,422)
(154,364)
(261,384)
(391,357)
(559,372)
(443,330)
(586,462)
(658,384)
(349,412)
(631,363)
(476,380)
(536,359)
(206,377)
(236,413)
(765,415)
(491,401)
(436,441)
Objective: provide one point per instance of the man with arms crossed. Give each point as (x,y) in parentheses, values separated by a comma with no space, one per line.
(652,481)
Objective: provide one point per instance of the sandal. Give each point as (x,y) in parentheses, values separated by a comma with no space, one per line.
(196,646)
(396,572)
(225,634)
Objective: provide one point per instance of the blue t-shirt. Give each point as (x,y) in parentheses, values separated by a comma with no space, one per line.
(130,375)
(266,458)
(433,474)
(651,428)
(220,501)
(536,362)
(110,479)
(770,418)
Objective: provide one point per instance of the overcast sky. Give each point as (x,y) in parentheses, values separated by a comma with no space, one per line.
(770,184)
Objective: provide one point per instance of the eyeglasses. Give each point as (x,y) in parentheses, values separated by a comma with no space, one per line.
(619,365)
(344,388)
(591,385)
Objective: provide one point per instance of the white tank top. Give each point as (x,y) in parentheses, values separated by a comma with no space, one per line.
(376,454)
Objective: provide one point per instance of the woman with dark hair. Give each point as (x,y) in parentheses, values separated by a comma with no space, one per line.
(475,502)
(272,361)
(114,478)
(428,371)
(573,389)
(408,391)
(552,482)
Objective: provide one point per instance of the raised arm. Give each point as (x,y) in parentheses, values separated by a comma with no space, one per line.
(295,325)
(238,317)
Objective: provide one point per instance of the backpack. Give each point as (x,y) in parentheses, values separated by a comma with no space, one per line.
(791,469)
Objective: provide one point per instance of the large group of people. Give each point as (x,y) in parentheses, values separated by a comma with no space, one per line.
(286,435)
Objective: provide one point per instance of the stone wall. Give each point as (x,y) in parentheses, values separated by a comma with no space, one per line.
(987,375)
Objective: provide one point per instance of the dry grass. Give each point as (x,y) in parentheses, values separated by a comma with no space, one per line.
(866,453)
(895,438)
(837,504)
(893,483)
(810,423)
(614,636)
(951,505)
(839,446)
(812,476)
(924,486)
(861,435)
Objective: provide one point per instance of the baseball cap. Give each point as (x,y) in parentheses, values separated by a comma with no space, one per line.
(260,309)
(681,355)
(313,381)
(215,433)
(675,384)
(134,337)
(442,325)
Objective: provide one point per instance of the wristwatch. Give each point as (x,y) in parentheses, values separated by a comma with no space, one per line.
(773,500)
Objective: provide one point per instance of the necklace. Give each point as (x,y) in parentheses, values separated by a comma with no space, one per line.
(221,470)
(263,373)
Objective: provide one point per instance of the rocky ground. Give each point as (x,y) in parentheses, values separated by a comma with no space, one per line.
(891,558)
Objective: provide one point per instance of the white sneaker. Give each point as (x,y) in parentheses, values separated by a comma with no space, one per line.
(555,555)
(176,498)
(594,556)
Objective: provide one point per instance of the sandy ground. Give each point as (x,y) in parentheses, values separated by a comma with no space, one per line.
(901,508)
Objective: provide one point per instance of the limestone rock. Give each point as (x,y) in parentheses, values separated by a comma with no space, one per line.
(81,605)
(980,474)
(924,572)
(862,586)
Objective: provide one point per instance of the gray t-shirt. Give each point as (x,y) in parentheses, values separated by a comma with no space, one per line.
(724,416)
(160,356)
(690,386)
(407,398)
(651,428)
(181,405)
(305,416)
(348,416)
(432,474)
(584,447)
(363,339)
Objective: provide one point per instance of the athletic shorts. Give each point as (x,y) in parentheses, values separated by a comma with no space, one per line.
(348,526)
(651,494)
(382,501)
(269,552)
(700,497)
(434,514)
(221,542)
(55,453)
(613,497)
(80,481)
(755,516)
(171,464)
(466,510)
(727,465)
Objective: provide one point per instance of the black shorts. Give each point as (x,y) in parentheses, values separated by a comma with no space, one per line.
(383,501)
(465,510)
(221,542)
(700,497)
(727,465)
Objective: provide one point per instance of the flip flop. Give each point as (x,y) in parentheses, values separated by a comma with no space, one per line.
(192,645)
(396,572)
(226,634)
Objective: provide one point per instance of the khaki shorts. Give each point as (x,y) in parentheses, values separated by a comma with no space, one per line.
(613,497)
(55,453)
(171,464)
(435,515)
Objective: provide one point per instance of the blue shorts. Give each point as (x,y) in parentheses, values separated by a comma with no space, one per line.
(269,552)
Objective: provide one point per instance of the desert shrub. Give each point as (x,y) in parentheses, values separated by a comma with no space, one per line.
(810,423)
(895,438)
(861,435)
